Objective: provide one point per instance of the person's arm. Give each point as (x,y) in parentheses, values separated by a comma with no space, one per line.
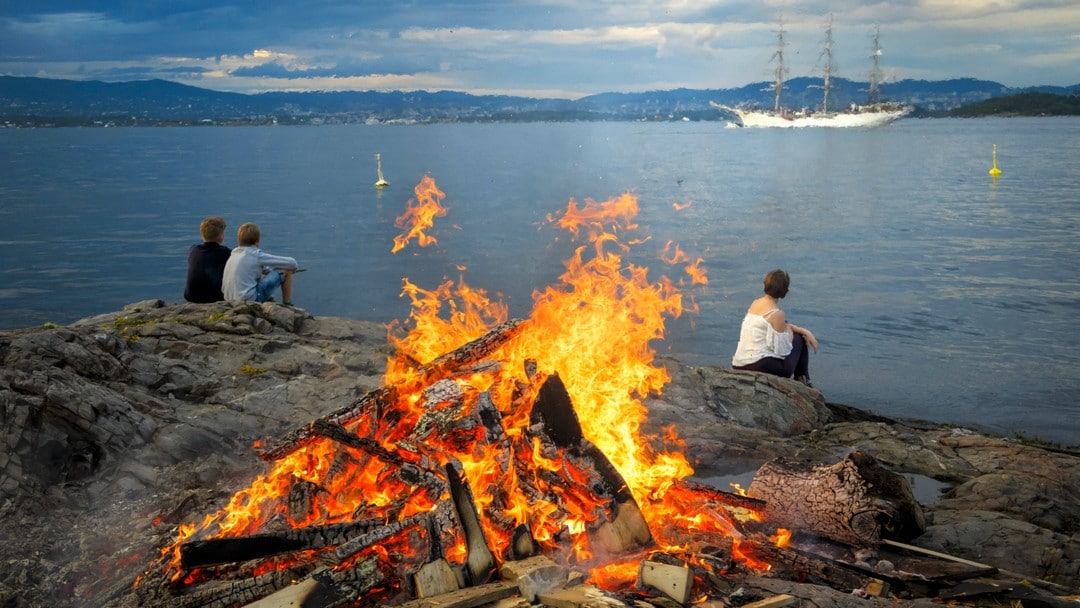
(277,261)
(780,323)
(811,341)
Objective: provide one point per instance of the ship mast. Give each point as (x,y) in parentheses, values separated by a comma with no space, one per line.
(875,70)
(826,54)
(778,55)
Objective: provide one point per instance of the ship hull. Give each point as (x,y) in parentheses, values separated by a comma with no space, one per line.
(864,119)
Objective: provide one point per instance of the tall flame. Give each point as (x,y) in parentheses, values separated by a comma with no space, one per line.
(420,215)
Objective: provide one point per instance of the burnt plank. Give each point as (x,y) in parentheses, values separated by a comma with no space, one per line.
(213,551)
(480,560)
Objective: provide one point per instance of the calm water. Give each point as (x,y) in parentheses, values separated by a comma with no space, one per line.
(936,293)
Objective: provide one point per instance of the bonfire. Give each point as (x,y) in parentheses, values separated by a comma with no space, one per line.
(492,440)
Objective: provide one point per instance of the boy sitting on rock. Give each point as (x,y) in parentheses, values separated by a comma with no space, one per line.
(252,274)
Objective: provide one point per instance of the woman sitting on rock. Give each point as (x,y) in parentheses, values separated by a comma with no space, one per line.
(767,342)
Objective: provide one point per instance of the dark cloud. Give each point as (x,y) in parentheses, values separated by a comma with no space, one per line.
(585,46)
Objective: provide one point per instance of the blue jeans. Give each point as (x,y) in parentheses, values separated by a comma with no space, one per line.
(264,289)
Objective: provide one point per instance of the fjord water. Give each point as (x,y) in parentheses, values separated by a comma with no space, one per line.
(936,292)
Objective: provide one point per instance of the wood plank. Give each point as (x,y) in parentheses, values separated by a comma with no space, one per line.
(435,578)
(315,591)
(470,597)
(673,581)
(479,560)
(581,596)
(945,556)
(775,601)
(535,575)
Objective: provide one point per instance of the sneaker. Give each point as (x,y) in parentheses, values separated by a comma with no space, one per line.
(805,380)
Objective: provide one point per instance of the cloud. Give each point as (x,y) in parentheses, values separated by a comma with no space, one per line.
(78,24)
(562,48)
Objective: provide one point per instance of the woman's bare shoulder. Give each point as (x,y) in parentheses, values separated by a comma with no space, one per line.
(761,306)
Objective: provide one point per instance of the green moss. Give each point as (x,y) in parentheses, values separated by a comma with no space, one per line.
(127,326)
(217,317)
(252,371)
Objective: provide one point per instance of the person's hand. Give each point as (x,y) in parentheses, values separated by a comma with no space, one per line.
(811,341)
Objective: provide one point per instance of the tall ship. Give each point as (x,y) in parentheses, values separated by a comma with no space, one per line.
(874,113)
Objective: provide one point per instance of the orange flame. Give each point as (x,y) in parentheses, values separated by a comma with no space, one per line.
(595,329)
(782,537)
(420,216)
(673,254)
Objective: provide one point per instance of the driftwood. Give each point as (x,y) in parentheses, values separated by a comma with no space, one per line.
(854,501)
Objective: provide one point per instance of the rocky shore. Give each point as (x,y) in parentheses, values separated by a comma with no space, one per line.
(121,426)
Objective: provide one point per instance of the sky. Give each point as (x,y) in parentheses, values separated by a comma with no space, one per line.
(536,48)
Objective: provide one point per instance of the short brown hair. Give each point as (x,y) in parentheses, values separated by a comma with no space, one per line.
(776,283)
(247,235)
(212,228)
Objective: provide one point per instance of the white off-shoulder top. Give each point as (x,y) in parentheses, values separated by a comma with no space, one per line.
(759,339)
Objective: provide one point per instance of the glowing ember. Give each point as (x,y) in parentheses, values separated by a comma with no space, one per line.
(594,329)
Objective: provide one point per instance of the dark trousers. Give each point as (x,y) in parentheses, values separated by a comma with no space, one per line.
(795,365)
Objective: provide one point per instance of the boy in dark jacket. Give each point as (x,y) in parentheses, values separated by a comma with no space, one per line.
(206,263)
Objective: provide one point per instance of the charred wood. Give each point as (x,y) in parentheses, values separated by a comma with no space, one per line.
(240,592)
(212,551)
(473,351)
(357,544)
(480,561)
(316,591)
(623,526)
(720,496)
(375,402)
(338,433)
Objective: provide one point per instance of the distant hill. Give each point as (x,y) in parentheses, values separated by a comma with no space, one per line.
(1024,104)
(45,102)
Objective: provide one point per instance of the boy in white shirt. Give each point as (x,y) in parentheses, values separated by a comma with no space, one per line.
(252,274)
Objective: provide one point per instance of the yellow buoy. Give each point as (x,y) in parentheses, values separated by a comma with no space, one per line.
(994,170)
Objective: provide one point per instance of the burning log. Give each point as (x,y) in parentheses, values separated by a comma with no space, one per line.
(716,495)
(480,561)
(623,527)
(209,552)
(355,545)
(376,401)
(854,501)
